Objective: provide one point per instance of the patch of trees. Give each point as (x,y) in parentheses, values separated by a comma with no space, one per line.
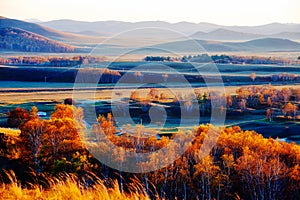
(157,58)
(197,58)
(53,61)
(225,59)
(284,99)
(49,145)
(221,58)
(276,102)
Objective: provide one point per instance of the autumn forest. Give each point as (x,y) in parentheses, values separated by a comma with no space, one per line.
(241,165)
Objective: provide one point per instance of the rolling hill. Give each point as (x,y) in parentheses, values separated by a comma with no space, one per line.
(258,45)
(15,39)
(31,27)
(272,44)
(288,35)
(224,34)
(70,38)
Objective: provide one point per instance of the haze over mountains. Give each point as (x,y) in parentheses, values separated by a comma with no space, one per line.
(83,36)
(258,45)
(219,32)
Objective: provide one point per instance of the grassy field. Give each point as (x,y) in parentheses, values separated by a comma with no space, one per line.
(69,188)
(10,131)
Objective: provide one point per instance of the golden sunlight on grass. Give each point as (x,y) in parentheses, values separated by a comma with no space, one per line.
(10,131)
(70,188)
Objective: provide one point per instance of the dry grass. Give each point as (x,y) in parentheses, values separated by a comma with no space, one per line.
(68,188)
(10,131)
(19,97)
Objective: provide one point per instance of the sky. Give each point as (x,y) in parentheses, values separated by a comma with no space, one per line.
(224,12)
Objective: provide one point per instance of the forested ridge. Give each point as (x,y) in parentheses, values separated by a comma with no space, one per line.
(15,39)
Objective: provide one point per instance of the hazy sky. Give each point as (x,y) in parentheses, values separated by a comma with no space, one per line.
(225,12)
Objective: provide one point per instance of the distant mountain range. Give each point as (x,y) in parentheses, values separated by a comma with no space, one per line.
(197,30)
(53,36)
(115,27)
(225,34)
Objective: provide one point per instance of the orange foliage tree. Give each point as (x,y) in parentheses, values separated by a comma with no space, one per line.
(45,142)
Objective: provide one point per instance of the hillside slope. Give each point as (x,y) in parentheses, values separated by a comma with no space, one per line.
(272,44)
(32,27)
(15,39)
(70,38)
(224,34)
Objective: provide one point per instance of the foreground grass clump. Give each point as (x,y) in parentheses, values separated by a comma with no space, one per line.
(69,188)
(10,131)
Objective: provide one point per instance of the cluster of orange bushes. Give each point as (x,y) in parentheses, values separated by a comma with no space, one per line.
(263,92)
(241,164)
(154,94)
